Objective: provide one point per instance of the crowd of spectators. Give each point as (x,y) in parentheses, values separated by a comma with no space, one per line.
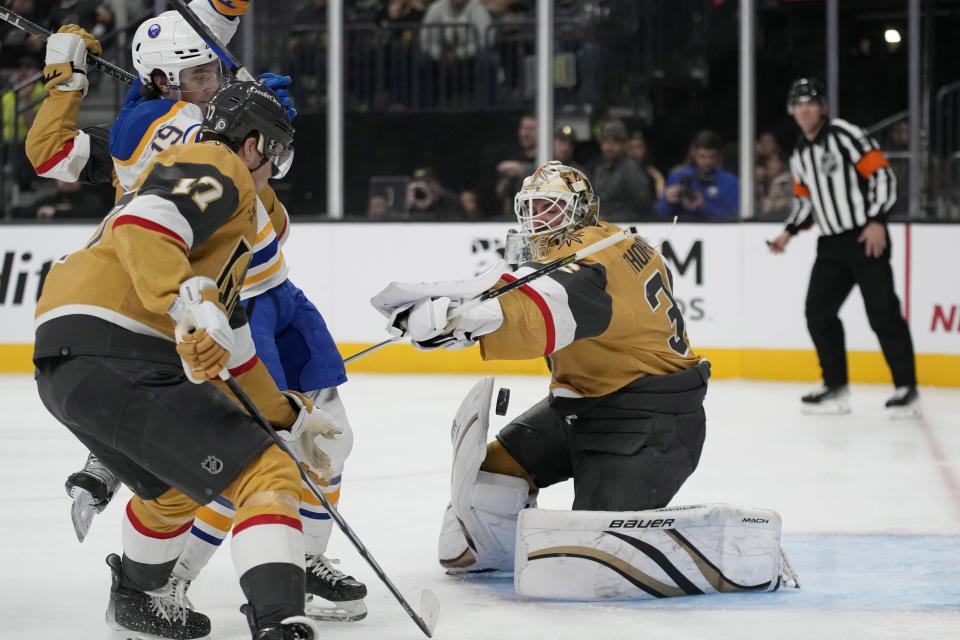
(21,62)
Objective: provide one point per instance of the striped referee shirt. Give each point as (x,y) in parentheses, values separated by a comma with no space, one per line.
(841,180)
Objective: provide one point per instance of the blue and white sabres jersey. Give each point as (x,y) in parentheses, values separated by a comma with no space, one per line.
(144,128)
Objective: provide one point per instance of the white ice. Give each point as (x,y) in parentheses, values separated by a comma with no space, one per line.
(870,507)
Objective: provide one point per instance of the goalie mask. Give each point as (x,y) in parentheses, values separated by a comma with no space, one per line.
(552,203)
(238,109)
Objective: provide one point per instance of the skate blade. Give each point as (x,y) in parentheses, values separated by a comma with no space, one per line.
(82,512)
(821,410)
(120,633)
(317,608)
(904,413)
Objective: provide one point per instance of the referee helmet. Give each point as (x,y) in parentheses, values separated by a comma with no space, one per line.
(805,89)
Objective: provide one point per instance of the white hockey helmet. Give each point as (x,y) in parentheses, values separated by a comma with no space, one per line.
(166,42)
(555,201)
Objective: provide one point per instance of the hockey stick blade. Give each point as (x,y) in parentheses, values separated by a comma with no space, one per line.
(212,40)
(93,60)
(433,605)
(430,611)
(82,512)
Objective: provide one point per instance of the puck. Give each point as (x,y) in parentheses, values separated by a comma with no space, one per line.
(503,401)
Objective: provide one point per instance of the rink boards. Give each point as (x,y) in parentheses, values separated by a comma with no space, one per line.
(743,306)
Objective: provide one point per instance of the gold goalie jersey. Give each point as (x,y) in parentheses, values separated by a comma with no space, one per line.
(192,212)
(602,322)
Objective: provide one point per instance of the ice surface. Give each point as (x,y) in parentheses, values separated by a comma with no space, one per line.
(870,507)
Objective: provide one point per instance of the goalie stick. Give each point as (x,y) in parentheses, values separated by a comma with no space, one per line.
(627,232)
(429,604)
(212,40)
(94,61)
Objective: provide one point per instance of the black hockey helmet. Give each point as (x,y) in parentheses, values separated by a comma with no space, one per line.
(239,108)
(805,89)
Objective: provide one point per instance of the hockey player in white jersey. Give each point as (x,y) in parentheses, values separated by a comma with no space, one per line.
(177,73)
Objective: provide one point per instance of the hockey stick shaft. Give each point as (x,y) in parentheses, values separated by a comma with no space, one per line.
(426,625)
(219,48)
(94,61)
(627,232)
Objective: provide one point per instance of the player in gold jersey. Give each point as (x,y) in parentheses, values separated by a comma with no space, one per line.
(125,327)
(624,415)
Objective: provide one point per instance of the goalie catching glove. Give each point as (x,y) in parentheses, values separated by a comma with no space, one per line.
(312,435)
(204,336)
(65,63)
(437,323)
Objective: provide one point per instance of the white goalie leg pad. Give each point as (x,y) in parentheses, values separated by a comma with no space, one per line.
(479,526)
(676,551)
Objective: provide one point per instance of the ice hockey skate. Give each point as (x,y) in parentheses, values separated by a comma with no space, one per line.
(162,614)
(292,628)
(91,489)
(331,594)
(905,403)
(826,401)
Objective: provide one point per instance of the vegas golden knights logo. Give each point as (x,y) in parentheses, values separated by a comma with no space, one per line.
(231,278)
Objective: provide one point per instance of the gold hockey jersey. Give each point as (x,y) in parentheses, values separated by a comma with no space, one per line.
(193,212)
(602,322)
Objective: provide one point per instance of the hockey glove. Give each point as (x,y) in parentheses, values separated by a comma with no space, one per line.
(434,324)
(311,432)
(65,65)
(279,84)
(204,336)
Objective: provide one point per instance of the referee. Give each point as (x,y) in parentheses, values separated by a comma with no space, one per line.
(843,182)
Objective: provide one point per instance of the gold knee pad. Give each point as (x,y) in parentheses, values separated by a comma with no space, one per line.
(166,513)
(269,484)
(498,460)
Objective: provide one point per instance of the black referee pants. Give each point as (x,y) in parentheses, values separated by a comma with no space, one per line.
(842,263)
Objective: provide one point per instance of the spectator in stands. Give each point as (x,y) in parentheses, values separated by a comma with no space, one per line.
(26,101)
(637,149)
(626,191)
(776,192)
(75,200)
(377,208)
(703,190)
(96,16)
(16,43)
(454,38)
(766,147)
(398,21)
(470,203)
(564,146)
(448,36)
(510,173)
(427,197)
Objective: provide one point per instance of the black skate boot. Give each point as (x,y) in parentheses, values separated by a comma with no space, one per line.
(827,400)
(161,614)
(331,594)
(91,489)
(96,480)
(292,628)
(905,403)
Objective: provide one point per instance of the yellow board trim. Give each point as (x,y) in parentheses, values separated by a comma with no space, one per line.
(752,364)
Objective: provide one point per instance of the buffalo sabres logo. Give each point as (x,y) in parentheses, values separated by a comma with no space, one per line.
(212,465)
(154,30)
(829,162)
